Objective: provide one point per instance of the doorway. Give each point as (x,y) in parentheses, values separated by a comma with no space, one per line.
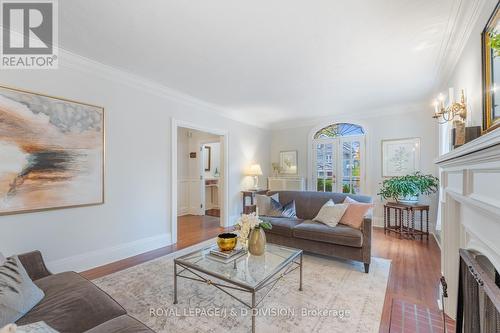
(338,159)
(199,192)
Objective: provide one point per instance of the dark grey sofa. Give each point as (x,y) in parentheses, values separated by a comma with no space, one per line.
(72,304)
(340,241)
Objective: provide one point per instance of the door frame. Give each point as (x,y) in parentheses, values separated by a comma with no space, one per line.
(224,134)
(311,185)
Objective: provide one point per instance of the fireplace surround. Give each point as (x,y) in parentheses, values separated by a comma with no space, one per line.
(469,202)
(478,294)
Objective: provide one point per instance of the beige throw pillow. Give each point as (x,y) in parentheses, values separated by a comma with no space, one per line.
(330,214)
(264,203)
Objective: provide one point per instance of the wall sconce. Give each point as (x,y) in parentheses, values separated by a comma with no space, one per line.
(454,110)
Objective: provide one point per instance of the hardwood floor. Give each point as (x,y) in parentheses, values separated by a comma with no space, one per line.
(414,276)
(415,271)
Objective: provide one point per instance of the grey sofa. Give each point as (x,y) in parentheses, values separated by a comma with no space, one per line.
(340,241)
(72,304)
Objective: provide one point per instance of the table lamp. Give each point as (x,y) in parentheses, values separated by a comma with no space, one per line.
(255,171)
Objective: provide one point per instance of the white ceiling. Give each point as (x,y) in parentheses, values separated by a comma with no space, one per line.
(266,61)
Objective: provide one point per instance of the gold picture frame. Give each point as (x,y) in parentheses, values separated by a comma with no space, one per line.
(27,99)
(491,60)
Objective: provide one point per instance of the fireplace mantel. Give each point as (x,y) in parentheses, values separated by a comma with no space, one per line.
(470,206)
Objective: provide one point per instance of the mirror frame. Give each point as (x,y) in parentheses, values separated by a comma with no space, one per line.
(490,122)
(208,152)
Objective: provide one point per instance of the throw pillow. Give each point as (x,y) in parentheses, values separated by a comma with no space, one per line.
(264,203)
(278,210)
(2,259)
(349,200)
(11,328)
(330,214)
(18,294)
(355,214)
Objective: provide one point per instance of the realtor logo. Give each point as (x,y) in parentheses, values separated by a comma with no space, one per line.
(29,32)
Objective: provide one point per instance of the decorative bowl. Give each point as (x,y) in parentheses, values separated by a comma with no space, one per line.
(227,241)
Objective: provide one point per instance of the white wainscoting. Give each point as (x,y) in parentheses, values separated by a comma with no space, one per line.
(286,184)
(188,197)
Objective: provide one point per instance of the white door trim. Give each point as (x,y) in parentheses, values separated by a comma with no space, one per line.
(311,142)
(176,123)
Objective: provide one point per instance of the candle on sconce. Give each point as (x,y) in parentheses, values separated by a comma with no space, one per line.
(441,100)
(436,109)
(452,96)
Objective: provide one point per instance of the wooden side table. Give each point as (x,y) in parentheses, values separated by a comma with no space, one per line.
(247,209)
(404,220)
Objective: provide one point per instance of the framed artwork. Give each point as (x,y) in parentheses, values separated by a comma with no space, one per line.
(288,162)
(400,157)
(52,152)
(491,71)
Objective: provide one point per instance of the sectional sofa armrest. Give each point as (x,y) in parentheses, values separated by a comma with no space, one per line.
(34,265)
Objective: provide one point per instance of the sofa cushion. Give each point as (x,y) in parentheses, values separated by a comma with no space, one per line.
(330,214)
(264,203)
(122,324)
(279,210)
(72,304)
(281,225)
(355,213)
(340,235)
(308,203)
(18,294)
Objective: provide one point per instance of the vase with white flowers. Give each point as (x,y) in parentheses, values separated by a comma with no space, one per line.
(252,235)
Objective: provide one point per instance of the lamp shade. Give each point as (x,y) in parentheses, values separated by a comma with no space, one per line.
(254,170)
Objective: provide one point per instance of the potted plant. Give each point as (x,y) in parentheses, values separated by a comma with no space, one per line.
(407,189)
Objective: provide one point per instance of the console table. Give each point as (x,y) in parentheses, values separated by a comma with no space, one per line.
(404,220)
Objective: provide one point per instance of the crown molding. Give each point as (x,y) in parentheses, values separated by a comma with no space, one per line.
(352,117)
(463,19)
(70,60)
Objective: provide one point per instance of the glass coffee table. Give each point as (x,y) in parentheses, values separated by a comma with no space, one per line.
(247,273)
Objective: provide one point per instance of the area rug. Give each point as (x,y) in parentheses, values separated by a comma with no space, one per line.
(337,296)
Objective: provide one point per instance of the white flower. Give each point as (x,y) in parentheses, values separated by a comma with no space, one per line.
(246,223)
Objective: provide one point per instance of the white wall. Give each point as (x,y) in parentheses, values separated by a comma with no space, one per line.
(136,215)
(393,126)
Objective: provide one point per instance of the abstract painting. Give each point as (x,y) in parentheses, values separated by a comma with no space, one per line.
(51,152)
(400,157)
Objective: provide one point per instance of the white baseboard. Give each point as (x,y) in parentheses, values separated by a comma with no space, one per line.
(378,221)
(108,255)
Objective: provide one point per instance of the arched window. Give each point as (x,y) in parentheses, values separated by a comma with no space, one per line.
(338,158)
(340,129)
